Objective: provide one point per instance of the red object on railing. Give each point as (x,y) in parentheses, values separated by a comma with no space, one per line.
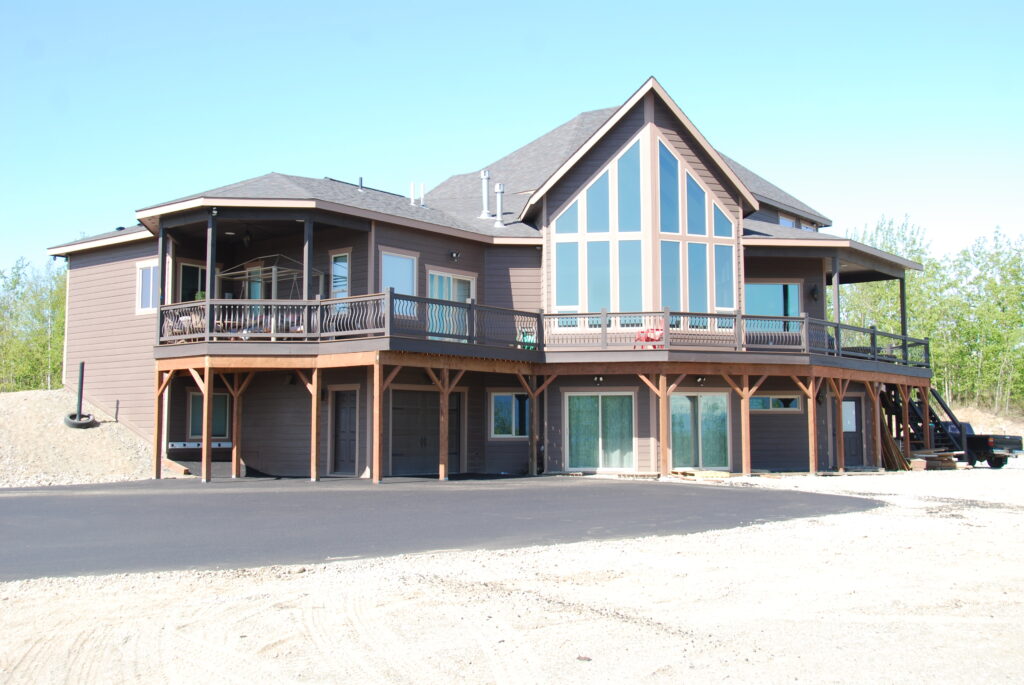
(654,338)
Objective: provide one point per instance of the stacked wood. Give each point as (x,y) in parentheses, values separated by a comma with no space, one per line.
(892,457)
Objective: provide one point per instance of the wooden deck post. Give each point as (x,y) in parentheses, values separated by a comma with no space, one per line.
(839,388)
(874,389)
(745,390)
(533,391)
(663,391)
(905,419)
(314,427)
(445,383)
(377,412)
(312,383)
(926,412)
(810,390)
(205,383)
(236,386)
(158,425)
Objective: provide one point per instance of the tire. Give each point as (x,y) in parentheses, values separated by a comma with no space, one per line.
(996,462)
(79,421)
(972,461)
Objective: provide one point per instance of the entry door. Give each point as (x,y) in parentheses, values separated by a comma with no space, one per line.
(700,430)
(853,433)
(415,425)
(345,426)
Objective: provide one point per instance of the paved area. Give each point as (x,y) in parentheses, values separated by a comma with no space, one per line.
(175,524)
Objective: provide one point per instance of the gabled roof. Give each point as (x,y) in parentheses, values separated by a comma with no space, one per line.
(525,170)
(650,86)
(771,194)
(284,187)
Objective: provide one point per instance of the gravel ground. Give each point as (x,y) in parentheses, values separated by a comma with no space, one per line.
(36,448)
(927,588)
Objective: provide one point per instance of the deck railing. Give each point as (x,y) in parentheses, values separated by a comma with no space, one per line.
(405,316)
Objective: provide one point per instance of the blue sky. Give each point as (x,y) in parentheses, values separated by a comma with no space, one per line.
(859,109)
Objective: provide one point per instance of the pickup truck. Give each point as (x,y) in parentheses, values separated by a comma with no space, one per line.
(995,449)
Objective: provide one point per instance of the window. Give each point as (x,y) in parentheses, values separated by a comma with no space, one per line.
(723,227)
(631,280)
(398,271)
(219,424)
(629,190)
(696,212)
(510,415)
(191,280)
(807,227)
(724,282)
(600,430)
(597,205)
(697,276)
(569,222)
(598,276)
(772,299)
(668,189)
(700,430)
(567,279)
(787,221)
(340,274)
(147,287)
(775,403)
(670,283)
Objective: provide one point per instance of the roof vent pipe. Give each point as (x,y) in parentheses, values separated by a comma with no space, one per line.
(360,184)
(412,194)
(499,215)
(423,197)
(485,175)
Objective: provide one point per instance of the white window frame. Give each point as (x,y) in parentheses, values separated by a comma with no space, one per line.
(688,392)
(347,251)
(414,256)
(181,264)
(140,269)
(798,409)
(565,429)
(188,417)
(462,275)
(491,394)
(794,222)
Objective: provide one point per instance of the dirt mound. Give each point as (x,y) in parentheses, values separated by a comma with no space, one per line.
(986,422)
(36,448)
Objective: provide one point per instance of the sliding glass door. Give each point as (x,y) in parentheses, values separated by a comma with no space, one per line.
(700,430)
(600,431)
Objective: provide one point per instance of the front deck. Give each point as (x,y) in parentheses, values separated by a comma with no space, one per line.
(390,321)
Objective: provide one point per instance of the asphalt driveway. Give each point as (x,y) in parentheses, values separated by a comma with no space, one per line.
(174,524)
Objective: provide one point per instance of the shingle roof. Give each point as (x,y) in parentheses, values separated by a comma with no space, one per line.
(275,186)
(125,230)
(526,169)
(764,229)
(522,171)
(770,194)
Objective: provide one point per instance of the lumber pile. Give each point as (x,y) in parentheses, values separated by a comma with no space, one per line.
(926,460)
(892,457)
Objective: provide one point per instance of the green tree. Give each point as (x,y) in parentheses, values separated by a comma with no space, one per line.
(31,326)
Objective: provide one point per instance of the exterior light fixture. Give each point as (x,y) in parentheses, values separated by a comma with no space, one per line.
(814,292)
(702,381)
(598,380)
(454,256)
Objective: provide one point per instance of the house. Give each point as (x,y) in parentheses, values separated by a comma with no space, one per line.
(615,296)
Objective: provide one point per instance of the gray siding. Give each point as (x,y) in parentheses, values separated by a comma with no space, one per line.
(512,278)
(433,253)
(104,331)
(789,268)
(767,214)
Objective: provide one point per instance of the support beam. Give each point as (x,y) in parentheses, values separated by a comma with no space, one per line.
(745,390)
(442,457)
(665,460)
(158,427)
(207,446)
(905,419)
(377,412)
(307,257)
(874,390)
(836,310)
(926,412)
(161,263)
(211,269)
(533,391)
(314,427)
(810,390)
(839,388)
